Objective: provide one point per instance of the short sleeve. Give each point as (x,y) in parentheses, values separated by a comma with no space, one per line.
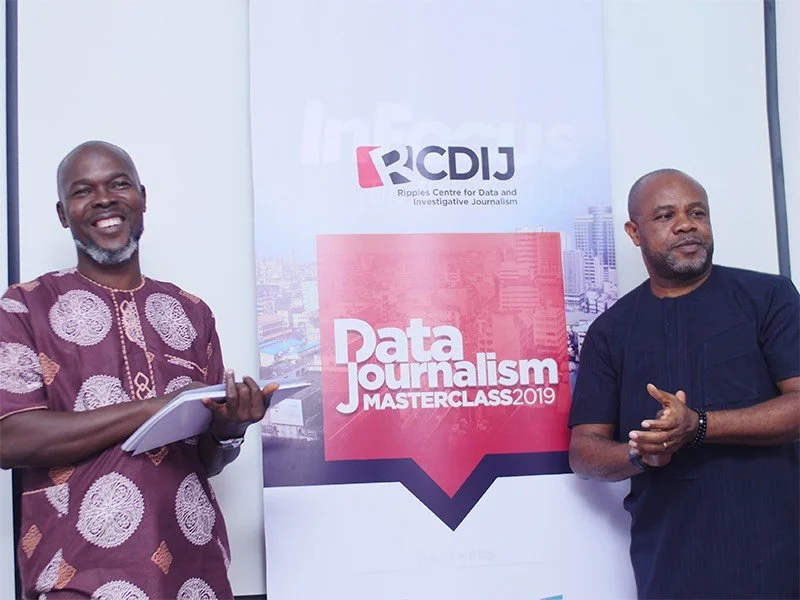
(595,398)
(779,336)
(22,381)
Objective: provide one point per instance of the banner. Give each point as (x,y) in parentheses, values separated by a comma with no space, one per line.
(433,238)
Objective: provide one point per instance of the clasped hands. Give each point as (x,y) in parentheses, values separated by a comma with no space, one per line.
(244,403)
(673,428)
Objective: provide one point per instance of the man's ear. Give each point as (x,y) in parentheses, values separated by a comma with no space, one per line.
(62,214)
(633,232)
(144,199)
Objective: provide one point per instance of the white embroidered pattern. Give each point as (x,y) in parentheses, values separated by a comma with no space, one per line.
(20,369)
(58,495)
(170,321)
(100,390)
(194,512)
(80,317)
(191,441)
(63,272)
(196,589)
(181,381)
(225,558)
(13,306)
(49,575)
(119,590)
(110,511)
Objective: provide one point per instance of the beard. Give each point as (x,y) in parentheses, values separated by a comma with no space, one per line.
(104,256)
(669,265)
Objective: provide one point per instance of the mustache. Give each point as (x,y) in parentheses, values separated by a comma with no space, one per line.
(689,240)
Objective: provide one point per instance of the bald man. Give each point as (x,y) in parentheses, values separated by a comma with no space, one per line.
(689,386)
(88,354)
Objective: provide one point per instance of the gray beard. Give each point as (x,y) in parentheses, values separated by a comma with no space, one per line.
(103,256)
(669,267)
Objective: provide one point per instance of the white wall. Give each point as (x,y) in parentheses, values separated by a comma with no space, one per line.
(685,89)
(168,81)
(788,31)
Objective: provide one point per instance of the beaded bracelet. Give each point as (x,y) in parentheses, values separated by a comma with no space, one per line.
(702,424)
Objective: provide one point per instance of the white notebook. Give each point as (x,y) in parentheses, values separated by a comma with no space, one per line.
(186,415)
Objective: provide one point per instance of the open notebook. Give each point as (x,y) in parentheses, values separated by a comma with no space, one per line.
(186,415)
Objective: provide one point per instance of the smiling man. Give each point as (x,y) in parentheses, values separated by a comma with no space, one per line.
(86,356)
(690,386)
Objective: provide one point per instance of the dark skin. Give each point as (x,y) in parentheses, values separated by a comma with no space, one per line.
(98,182)
(670,222)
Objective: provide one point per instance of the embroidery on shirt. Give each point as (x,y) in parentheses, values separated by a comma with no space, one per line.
(110,511)
(49,575)
(28,286)
(181,381)
(187,364)
(30,540)
(191,297)
(13,306)
(65,574)
(63,272)
(20,370)
(191,441)
(157,457)
(225,558)
(194,512)
(170,321)
(98,391)
(80,317)
(196,589)
(131,324)
(143,387)
(118,589)
(162,558)
(59,475)
(50,368)
(58,495)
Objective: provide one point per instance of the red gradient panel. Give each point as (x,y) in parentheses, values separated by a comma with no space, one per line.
(502,292)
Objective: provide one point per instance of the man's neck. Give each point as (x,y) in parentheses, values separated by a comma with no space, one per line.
(125,276)
(664,288)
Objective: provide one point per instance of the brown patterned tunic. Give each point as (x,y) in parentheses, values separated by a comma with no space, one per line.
(114,525)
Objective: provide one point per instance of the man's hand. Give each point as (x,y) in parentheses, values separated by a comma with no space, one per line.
(674,427)
(244,403)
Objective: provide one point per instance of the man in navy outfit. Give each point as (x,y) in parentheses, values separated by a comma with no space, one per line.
(690,386)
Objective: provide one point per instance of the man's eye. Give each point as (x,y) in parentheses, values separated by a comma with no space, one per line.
(663,217)
(120,184)
(699,213)
(80,193)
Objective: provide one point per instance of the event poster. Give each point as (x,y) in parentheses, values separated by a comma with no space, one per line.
(433,238)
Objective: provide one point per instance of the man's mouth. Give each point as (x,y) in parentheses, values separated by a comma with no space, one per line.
(107,222)
(689,244)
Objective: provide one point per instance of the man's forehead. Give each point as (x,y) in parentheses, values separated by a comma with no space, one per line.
(669,189)
(93,162)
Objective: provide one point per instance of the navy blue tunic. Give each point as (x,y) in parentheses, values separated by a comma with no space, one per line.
(719,521)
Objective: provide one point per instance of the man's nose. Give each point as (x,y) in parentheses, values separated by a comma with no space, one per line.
(683,223)
(103,197)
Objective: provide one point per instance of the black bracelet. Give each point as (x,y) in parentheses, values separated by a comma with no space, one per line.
(702,424)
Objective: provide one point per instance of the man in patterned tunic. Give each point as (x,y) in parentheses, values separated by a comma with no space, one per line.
(87,355)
